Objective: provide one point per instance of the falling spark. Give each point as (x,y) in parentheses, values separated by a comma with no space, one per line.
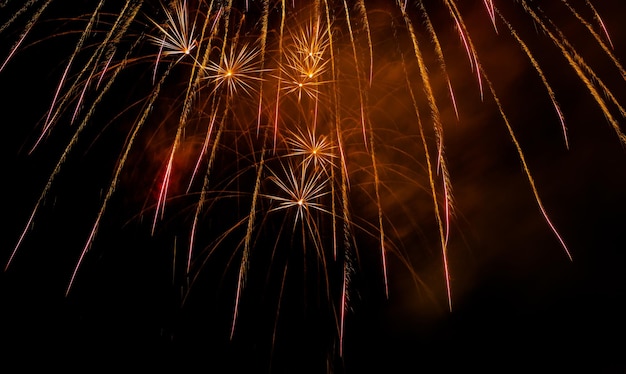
(268,112)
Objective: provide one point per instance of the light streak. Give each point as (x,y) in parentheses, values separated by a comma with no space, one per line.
(276,103)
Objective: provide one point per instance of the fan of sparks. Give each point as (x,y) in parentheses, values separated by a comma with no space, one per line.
(276,123)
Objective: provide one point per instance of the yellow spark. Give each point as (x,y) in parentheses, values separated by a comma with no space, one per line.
(237,70)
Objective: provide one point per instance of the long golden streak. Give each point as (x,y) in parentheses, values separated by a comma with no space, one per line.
(240,281)
(575,62)
(18,13)
(469,47)
(315,233)
(447,209)
(213,25)
(317,7)
(226,28)
(474,56)
(335,92)
(29,26)
(243,267)
(381,227)
(346,254)
(116,175)
(439,52)
(601,43)
(205,188)
(216,244)
(468,51)
(280,297)
(280,75)
(366,25)
(158,58)
(344,183)
(358,71)
(593,77)
(77,49)
(205,146)
(194,80)
(263,40)
(337,125)
(520,153)
(65,153)
(491,10)
(203,62)
(111,189)
(105,68)
(81,97)
(344,296)
(365,120)
(249,231)
(125,17)
(539,71)
(202,199)
(160,207)
(333,208)
(597,16)
(437,126)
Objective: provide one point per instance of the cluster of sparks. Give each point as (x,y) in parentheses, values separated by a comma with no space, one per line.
(286,91)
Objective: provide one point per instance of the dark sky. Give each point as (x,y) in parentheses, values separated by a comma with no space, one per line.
(519,303)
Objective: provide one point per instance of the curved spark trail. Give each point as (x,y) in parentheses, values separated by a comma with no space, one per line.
(307,135)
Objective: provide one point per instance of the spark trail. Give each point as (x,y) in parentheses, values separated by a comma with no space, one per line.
(268,114)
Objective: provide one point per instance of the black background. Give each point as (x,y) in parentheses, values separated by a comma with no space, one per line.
(519,303)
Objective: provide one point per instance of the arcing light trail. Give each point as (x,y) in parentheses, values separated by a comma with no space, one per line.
(283,97)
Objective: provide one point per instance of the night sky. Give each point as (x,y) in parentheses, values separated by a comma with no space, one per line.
(518,303)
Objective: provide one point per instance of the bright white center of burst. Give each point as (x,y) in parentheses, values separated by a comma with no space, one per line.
(301,202)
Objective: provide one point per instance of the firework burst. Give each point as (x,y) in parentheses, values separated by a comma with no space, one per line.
(299,136)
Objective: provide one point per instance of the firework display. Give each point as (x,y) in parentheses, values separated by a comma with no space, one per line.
(285,153)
